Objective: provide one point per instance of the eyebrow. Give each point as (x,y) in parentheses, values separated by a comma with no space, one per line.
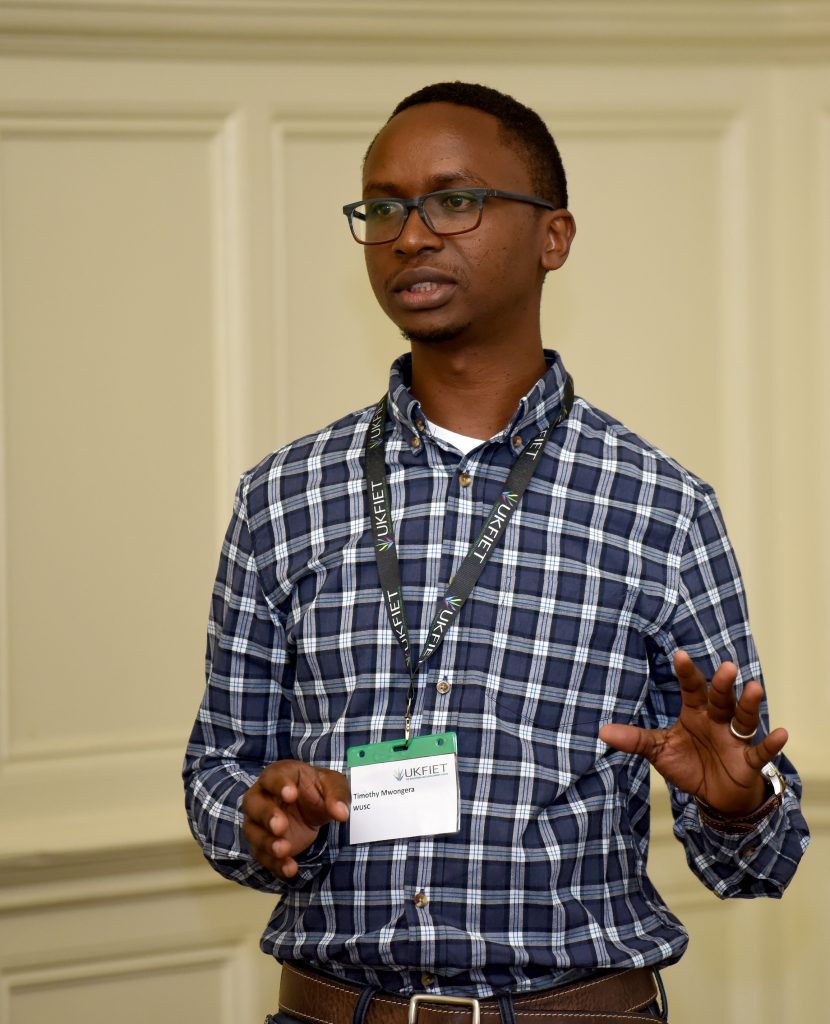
(437,181)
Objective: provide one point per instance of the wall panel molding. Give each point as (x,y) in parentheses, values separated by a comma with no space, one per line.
(375,30)
(218,959)
(63,879)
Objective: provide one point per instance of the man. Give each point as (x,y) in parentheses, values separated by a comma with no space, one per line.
(481,558)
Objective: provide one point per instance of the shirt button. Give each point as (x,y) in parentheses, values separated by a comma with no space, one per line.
(421,899)
(747,851)
(517,442)
(465,479)
(415,442)
(421,425)
(442,686)
(427,980)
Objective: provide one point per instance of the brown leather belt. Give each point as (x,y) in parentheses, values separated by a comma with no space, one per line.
(600,999)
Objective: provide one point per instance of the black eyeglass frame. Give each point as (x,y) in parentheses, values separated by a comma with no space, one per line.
(417,203)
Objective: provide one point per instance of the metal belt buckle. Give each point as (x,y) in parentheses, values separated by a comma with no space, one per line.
(424,997)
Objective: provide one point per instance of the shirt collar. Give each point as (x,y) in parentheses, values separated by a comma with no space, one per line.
(538,409)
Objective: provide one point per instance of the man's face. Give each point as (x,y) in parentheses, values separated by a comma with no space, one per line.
(481,285)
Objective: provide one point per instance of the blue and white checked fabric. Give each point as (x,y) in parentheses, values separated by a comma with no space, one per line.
(616,558)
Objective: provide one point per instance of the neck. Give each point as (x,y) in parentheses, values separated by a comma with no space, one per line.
(473,390)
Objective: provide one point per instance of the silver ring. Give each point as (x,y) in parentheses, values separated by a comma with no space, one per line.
(740,735)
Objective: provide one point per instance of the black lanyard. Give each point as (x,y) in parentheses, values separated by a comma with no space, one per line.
(461,585)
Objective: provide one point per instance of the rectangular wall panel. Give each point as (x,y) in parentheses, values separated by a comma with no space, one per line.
(108,348)
(337,344)
(639,295)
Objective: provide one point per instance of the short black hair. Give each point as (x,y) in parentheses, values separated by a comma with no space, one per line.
(517,123)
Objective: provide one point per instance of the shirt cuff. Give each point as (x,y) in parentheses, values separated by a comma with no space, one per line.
(742,844)
(732,826)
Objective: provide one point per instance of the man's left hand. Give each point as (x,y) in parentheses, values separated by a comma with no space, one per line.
(699,754)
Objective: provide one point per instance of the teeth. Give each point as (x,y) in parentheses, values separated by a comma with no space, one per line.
(424,286)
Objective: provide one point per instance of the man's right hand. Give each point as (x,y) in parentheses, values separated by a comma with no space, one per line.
(286,807)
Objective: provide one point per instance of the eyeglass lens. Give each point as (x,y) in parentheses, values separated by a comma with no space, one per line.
(447,213)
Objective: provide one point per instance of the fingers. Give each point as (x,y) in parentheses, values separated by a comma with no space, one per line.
(719,698)
(745,713)
(699,754)
(285,808)
(748,709)
(265,828)
(694,689)
(261,808)
(275,855)
(765,750)
(317,794)
(722,693)
(320,795)
(298,787)
(336,792)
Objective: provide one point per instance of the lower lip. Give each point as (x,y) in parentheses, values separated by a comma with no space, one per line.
(426,299)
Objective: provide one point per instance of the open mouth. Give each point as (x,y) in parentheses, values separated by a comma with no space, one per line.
(425,294)
(422,288)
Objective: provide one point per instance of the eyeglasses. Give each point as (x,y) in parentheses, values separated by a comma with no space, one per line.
(450,211)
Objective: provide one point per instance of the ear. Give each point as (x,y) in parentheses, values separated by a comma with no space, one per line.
(560,228)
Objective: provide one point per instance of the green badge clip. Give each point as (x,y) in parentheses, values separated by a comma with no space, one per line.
(397,750)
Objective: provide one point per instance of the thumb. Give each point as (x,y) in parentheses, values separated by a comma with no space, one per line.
(630,739)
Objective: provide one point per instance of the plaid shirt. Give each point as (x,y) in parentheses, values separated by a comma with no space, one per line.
(615,559)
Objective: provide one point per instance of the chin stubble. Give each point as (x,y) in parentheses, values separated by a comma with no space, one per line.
(437,335)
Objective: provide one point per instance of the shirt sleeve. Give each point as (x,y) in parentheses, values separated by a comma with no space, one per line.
(243,722)
(709,621)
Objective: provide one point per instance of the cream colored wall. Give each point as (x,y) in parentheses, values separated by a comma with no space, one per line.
(174,275)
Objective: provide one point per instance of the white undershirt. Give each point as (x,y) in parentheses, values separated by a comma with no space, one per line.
(460,441)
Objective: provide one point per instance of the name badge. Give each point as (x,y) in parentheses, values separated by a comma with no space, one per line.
(400,792)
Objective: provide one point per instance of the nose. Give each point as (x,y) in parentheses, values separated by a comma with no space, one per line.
(416,235)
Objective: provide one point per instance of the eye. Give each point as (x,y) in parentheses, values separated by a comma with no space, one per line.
(381,209)
(457,202)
